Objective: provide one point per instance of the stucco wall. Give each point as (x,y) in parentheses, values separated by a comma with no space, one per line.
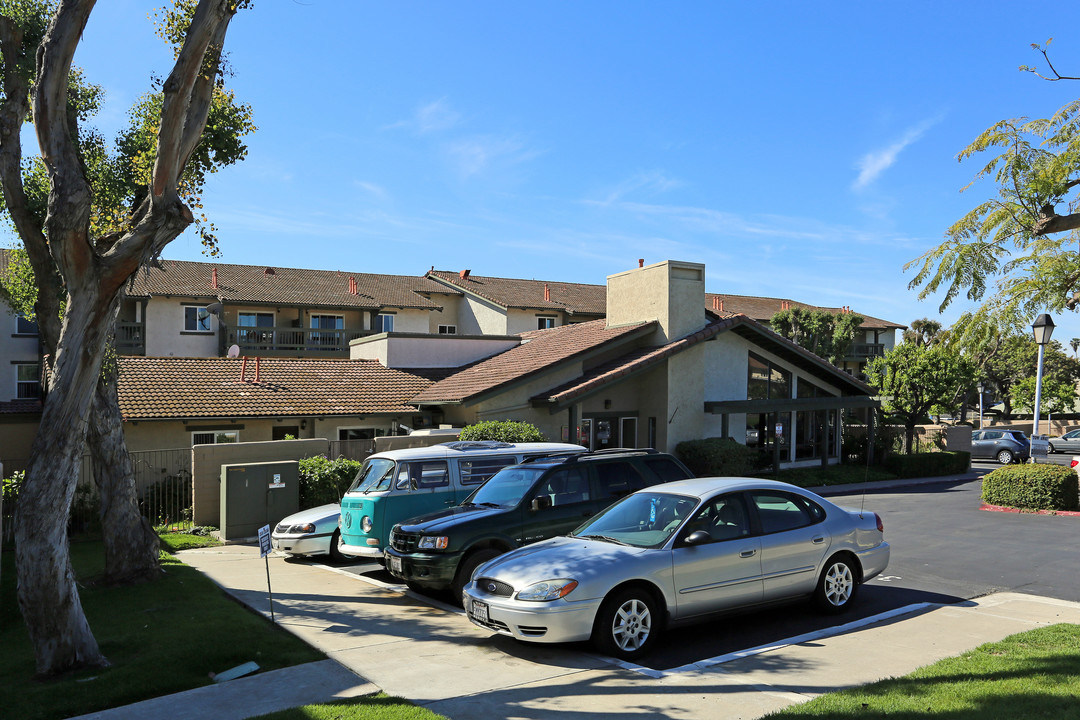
(479,317)
(671,292)
(519,321)
(427,350)
(13,348)
(206,462)
(449,315)
(165,336)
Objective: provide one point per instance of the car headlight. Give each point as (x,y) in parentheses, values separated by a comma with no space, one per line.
(433,543)
(548,590)
(303,529)
(366,524)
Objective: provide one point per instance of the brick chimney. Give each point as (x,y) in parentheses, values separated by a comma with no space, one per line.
(464,274)
(352,286)
(213,278)
(547,293)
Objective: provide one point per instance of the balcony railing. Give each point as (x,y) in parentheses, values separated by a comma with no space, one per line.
(130,338)
(316,342)
(867,350)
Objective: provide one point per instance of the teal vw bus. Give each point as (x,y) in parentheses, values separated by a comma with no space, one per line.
(396,485)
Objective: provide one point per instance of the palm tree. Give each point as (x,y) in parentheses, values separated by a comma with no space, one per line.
(1075,345)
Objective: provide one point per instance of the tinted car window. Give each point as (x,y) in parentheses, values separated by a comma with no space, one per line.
(992,435)
(779,512)
(566,487)
(423,475)
(666,468)
(723,518)
(474,472)
(618,479)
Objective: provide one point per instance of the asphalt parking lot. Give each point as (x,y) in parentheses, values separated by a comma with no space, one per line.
(944,550)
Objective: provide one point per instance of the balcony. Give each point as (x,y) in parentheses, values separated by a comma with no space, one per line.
(130,338)
(291,341)
(862,351)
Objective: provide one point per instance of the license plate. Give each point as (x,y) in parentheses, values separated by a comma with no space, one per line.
(479,611)
(395,564)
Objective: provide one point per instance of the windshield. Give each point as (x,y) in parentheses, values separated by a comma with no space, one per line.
(644,519)
(506,487)
(375,474)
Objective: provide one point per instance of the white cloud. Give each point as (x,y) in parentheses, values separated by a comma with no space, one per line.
(872,164)
(651,182)
(371,188)
(474,155)
(433,117)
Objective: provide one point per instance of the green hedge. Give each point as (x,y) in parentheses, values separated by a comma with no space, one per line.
(324,481)
(715,456)
(1032,487)
(509,431)
(928,464)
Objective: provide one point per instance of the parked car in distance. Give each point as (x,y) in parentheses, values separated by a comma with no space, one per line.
(1069,442)
(310,532)
(520,505)
(676,553)
(1004,445)
(399,484)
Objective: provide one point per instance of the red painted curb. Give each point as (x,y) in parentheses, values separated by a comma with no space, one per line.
(1000,508)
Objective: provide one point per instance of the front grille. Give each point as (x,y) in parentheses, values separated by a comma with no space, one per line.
(404,542)
(490,586)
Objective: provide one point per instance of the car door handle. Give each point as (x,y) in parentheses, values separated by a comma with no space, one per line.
(819,540)
(748,553)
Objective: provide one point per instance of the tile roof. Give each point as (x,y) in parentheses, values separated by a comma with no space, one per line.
(763,308)
(162,388)
(542,350)
(18,407)
(262,284)
(573,298)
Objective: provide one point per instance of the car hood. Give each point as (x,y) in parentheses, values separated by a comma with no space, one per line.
(445,519)
(312,515)
(559,557)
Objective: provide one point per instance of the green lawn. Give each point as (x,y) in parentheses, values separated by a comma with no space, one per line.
(1035,674)
(160,637)
(371,707)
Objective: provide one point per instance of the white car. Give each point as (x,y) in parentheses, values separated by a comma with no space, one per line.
(310,532)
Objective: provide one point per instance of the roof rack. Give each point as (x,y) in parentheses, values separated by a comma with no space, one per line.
(465,445)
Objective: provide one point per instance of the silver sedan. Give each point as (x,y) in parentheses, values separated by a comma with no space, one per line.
(311,532)
(675,553)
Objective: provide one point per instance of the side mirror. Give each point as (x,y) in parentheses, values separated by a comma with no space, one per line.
(698,537)
(541,502)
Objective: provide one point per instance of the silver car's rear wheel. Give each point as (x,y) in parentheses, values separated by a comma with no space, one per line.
(1005,457)
(627,624)
(837,585)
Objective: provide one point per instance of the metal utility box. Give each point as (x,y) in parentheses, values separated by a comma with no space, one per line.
(257,494)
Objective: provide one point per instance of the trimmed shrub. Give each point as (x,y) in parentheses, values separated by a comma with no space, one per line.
(324,481)
(928,464)
(717,457)
(1032,487)
(510,431)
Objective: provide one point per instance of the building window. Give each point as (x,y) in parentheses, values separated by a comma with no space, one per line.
(27,381)
(192,321)
(215,437)
(766,380)
(545,322)
(329,323)
(23,326)
(448,329)
(255,329)
(384,322)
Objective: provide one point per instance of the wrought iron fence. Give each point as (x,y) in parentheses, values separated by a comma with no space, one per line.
(162,483)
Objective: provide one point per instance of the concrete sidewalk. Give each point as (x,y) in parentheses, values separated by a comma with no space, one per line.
(433,656)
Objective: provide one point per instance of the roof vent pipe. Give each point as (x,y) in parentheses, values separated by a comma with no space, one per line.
(547,293)
(243,368)
(641,262)
(256,368)
(352,286)
(213,279)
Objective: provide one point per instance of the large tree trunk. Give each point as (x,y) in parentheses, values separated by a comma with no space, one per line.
(47,593)
(131,545)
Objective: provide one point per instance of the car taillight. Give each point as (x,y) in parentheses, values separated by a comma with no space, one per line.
(1074,463)
(880,525)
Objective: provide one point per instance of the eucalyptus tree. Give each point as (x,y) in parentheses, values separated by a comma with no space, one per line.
(88,222)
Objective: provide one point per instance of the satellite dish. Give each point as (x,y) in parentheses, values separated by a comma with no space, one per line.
(234,351)
(203,314)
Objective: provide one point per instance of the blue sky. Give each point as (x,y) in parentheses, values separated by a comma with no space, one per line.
(800,150)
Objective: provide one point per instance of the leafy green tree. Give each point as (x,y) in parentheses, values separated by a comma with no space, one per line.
(924,331)
(1057,396)
(919,380)
(1015,359)
(828,335)
(1075,345)
(1013,254)
(98,230)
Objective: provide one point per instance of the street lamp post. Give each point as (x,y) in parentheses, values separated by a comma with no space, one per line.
(1043,328)
(981,390)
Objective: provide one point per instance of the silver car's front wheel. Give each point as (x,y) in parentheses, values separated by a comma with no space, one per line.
(837,585)
(627,624)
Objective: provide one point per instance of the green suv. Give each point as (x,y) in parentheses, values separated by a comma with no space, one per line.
(519,505)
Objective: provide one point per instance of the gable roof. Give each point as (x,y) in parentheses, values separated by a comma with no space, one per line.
(157,388)
(571,298)
(286,286)
(763,308)
(642,359)
(541,351)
